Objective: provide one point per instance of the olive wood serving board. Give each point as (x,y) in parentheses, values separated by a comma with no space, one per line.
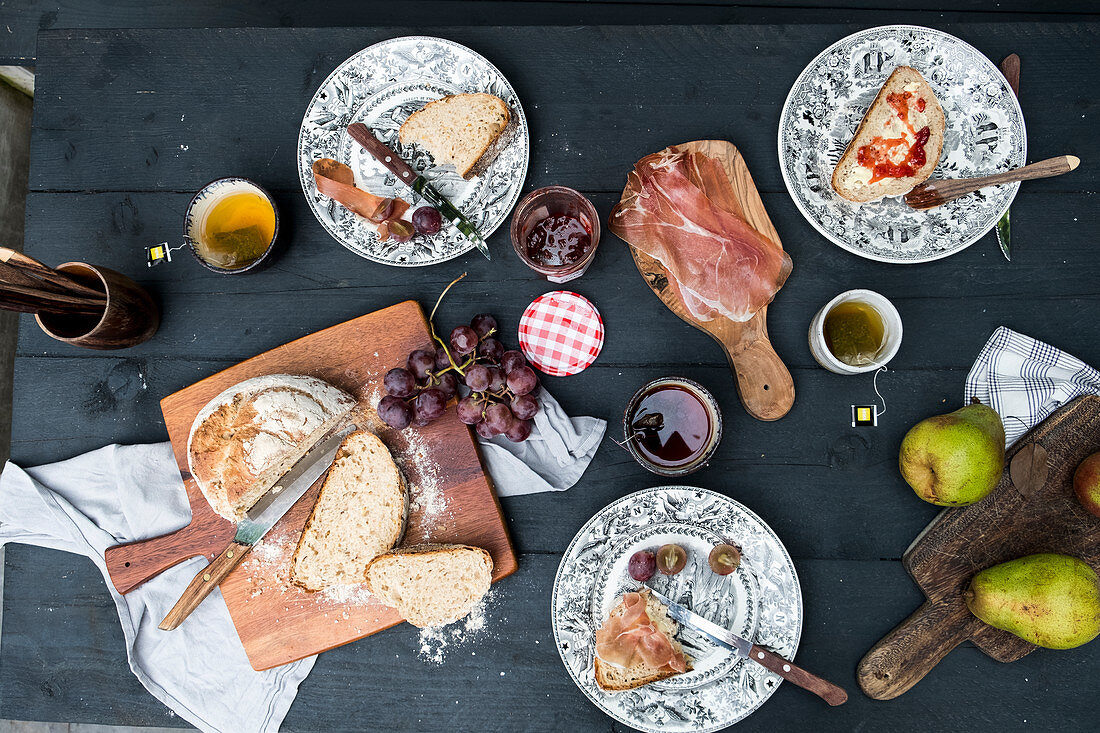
(277,621)
(1019,518)
(763,382)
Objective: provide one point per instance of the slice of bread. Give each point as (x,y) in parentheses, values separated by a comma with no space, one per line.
(613,678)
(360,513)
(457,129)
(247,437)
(852,180)
(431,585)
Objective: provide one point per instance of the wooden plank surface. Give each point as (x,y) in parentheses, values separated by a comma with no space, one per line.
(20,20)
(832,493)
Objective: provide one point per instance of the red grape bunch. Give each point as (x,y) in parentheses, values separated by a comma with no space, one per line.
(500,399)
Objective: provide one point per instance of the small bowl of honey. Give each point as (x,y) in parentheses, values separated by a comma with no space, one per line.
(231,225)
(858,331)
(672,426)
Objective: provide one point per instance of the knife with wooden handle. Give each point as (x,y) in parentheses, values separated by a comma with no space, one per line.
(1010,67)
(257,521)
(395,165)
(771,661)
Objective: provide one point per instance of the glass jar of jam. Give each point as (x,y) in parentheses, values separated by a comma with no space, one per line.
(555,231)
(672,426)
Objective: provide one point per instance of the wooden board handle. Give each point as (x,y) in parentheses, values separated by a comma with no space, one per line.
(903,657)
(791,672)
(132,564)
(764,383)
(204,584)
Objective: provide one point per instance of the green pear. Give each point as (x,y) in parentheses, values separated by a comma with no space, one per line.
(954,459)
(1048,599)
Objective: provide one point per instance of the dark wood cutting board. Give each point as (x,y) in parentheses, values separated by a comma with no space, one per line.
(763,382)
(1007,524)
(451,499)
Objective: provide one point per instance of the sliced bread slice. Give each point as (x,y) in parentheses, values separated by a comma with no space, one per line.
(615,678)
(457,129)
(888,132)
(360,513)
(431,585)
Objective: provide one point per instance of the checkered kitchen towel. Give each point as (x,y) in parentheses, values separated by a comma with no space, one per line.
(1026,380)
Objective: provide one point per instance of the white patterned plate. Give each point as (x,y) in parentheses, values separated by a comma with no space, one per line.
(985,134)
(761,601)
(381,86)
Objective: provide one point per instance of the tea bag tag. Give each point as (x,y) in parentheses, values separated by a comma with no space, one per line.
(866,416)
(157,253)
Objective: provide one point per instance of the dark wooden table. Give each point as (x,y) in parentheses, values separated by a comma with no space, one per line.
(128,124)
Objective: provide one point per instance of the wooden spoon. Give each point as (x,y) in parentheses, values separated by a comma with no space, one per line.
(931,194)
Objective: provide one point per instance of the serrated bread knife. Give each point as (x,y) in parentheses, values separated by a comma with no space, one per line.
(263,515)
(824,689)
(393,163)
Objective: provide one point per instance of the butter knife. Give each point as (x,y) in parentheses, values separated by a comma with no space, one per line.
(744,648)
(393,163)
(1010,67)
(257,521)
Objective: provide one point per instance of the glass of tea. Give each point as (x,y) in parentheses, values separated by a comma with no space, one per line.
(231,225)
(672,426)
(555,231)
(857,331)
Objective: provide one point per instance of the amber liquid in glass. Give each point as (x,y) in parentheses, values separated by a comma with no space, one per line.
(237,231)
(854,333)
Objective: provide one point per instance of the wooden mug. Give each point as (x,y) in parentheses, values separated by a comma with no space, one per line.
(129,318)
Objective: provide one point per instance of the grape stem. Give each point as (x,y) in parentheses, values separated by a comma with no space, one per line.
(431,327)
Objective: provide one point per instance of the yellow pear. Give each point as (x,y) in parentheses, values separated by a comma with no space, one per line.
(954,459)
(1048,599)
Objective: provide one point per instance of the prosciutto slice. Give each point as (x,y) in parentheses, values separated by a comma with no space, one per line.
(629,637)
(679,208)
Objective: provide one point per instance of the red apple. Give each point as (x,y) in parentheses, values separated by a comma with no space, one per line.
(1086,482)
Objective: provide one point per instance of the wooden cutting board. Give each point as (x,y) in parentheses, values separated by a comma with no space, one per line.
(1006,525)
(451,499)
(763,382)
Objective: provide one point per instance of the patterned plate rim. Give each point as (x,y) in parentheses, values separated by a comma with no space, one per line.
(633,496)
(813,221)
(513,199)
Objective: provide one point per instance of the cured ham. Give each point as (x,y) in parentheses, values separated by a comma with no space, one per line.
(629,638)
(679,208)
(337,181)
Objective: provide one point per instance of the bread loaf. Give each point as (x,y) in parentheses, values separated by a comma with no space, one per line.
(431,585)
(360,513)
(247,437)
(457,129)
(874,164)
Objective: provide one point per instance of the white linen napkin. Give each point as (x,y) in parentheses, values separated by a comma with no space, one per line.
(553,458)
(126,493)
(1026,380)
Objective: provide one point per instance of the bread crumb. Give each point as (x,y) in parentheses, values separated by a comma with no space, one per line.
(422,472)
(347,594)
(435,641)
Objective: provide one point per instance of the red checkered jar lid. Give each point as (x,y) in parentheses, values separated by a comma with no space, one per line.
(561,333)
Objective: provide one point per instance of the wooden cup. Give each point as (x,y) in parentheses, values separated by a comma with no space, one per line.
(129,318)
